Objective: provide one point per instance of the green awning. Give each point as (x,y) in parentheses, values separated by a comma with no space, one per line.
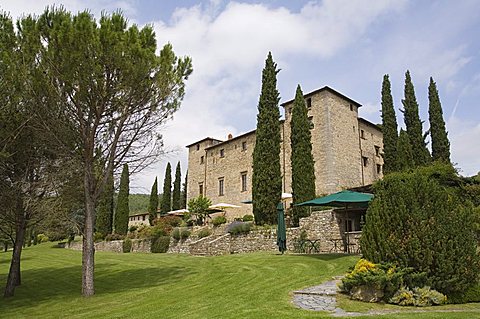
(340,199)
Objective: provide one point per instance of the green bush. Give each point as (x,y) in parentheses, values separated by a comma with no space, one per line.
(247,218)
(133,229)
(159,230)
(240,228)
(42,238)
(97,236)
(219,220)
(111,237)
(144,232)
(180,233)
(472,294)
(205,232)
(127,245)
(419,297)
(176,233)
(416,220)
(160,244)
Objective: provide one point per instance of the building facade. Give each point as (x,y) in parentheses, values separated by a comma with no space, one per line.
(347,151)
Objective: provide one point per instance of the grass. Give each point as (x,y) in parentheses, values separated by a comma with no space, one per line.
(176,286)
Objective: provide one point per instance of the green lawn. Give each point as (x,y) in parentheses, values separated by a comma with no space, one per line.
(176,286)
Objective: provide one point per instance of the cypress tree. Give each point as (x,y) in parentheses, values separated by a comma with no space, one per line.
(184,192)
(177,195)
(303,172)
(438,133)
(413,124)
(166,202)
(404,152)
(104,220)
(153,204)
(123,210)
(389,128)
(267,179)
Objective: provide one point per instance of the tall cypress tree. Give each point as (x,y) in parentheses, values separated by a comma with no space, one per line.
(267,179)
(153,204)
(440,143)
(303,171)
(389,128)
(177,193)
(421,156)
(123,210)
(166,202)
(404,152)
(184,192)
(104,220)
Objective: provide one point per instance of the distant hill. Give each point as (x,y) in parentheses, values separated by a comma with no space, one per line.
(138,203)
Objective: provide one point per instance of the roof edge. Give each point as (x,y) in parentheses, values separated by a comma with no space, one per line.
(325,88)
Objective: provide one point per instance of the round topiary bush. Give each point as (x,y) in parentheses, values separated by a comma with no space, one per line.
(219,220)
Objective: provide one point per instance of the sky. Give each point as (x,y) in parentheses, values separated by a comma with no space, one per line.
(346,44)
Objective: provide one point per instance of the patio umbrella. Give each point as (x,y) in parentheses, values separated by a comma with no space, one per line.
(223,206)
(281,230)
(344,199)
(178,212)
(284,196)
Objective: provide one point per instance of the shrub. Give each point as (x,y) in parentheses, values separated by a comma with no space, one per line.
(247,218)
(42,238)
(419,297)
(219,220)
(180,233)
(417,221)
(472,294)
(133,229)
(238,228)
(144,232)
(176,234)
(111,237)
(205,232)
(160,244)
(159,230)
(97,236)
(127,245)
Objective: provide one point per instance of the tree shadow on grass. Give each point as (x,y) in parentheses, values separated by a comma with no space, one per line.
(43,284)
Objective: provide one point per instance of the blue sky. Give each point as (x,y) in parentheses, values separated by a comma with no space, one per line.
(346,44)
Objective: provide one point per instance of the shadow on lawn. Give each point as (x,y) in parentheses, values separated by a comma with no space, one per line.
(47,283)
(328,257)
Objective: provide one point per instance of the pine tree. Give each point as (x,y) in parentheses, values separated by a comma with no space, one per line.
(166,202)
(267,179)
(440,143)
(404,152)
(153,204)
(184,192)
(123,210)
(105,208)
(303,172)
(389,128)
(177,195)
(413,124)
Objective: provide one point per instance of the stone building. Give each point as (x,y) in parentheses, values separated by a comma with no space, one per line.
(347,151)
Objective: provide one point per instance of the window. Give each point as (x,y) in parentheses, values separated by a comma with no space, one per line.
(202,160)
(200,189)
(377,150)
(362,134)
(221,187)
(198,147)
(244,146)
(351,107)
(365,161)
(143,217)
(244,181)
(309,103)
(310,120)
(379,169)
(222,152)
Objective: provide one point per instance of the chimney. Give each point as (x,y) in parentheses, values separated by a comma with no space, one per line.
(230,136)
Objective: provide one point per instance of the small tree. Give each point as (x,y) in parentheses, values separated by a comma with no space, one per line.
(123,210)
(389,128)
(177,195)
(105,208)
(414,221)
(166,201)
(440,143)
(404,156)
(153,204)
(303,171)
(267,176)
(184,192)
(198,207)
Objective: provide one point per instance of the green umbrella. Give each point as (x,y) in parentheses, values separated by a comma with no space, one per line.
(281,230)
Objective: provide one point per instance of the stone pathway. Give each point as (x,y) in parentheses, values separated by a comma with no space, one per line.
(321,298)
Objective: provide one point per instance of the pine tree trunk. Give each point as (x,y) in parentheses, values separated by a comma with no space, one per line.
(14,278)
(88,250)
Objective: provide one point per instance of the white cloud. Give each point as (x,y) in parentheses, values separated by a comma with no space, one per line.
(464,136)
